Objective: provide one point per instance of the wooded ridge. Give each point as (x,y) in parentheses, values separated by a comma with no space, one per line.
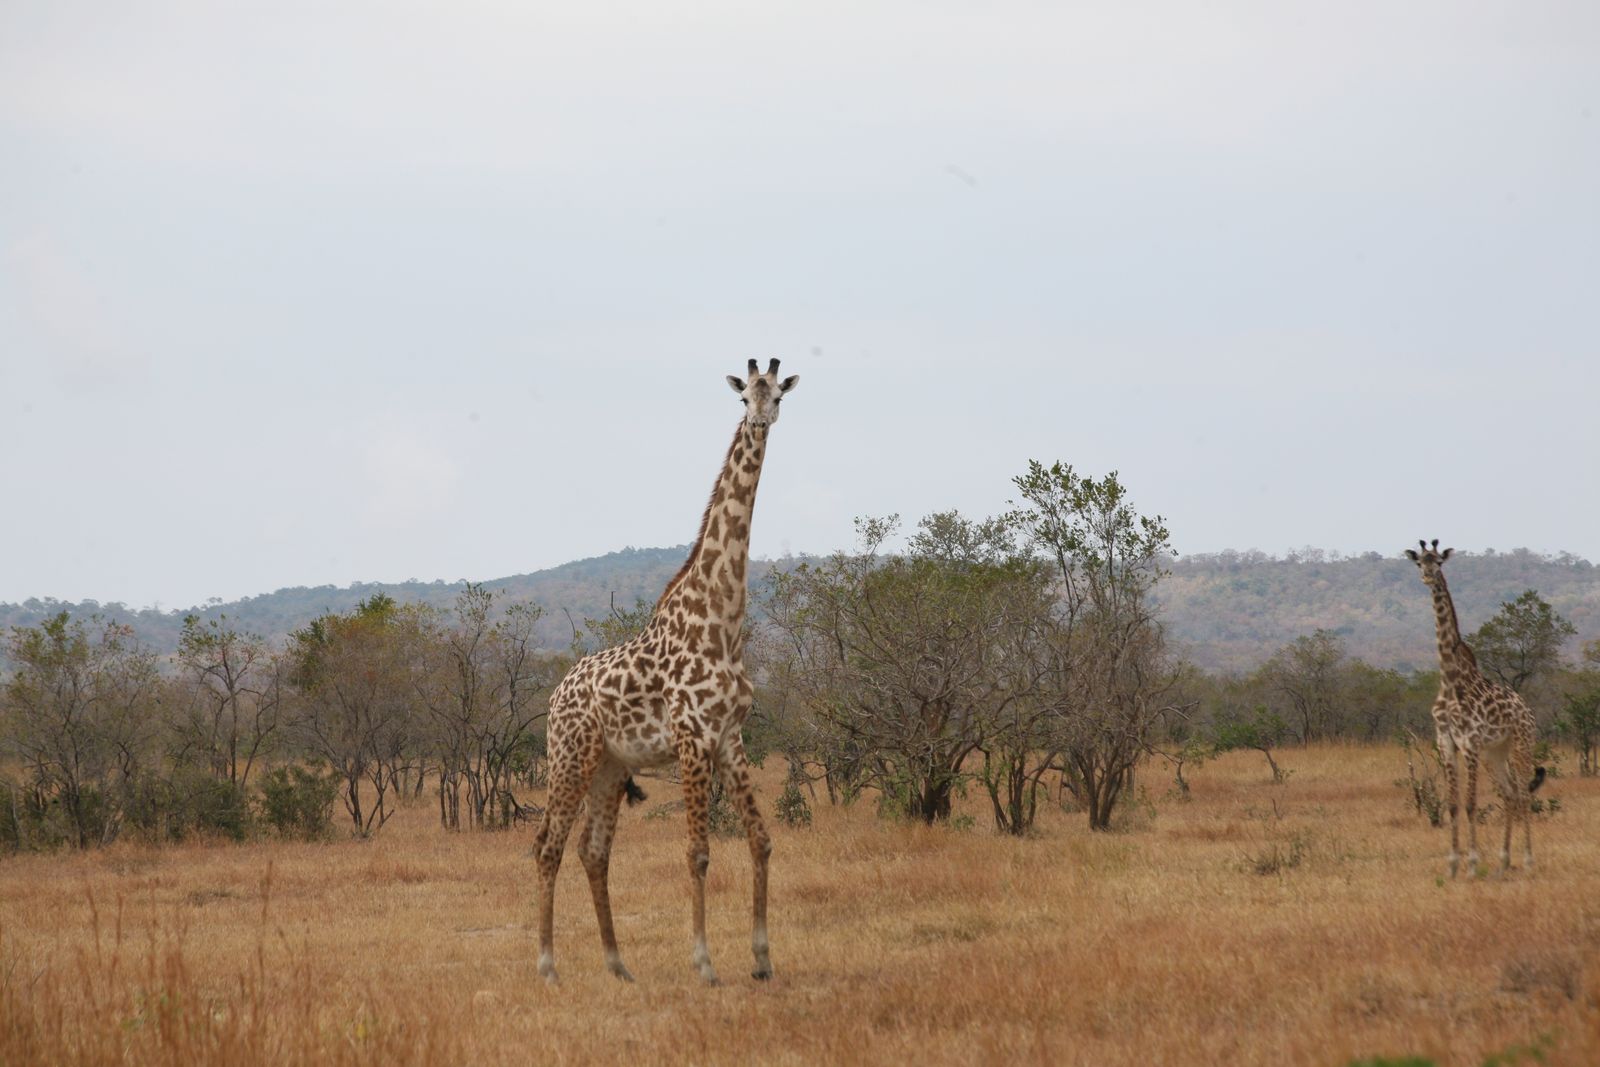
(1225,610)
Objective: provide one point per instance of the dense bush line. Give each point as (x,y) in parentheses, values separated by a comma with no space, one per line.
(1024,655)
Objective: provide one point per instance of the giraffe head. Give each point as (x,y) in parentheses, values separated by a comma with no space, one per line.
(762,393)
(1430,560)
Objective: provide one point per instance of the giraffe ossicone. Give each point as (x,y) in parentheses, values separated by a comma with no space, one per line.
(1476,718)
(676,692)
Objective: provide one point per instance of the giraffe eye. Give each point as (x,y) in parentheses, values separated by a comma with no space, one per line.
(745,401)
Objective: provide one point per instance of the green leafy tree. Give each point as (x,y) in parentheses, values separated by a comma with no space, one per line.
(1308,674)
(78,717)
(1110,678)
(357,676)
(898,660)
(1522,642)
(1020,741)
(1260,730)
(1379,701)
(1579,721)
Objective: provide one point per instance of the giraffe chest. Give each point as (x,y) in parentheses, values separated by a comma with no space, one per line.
(650,700)
(1482,714)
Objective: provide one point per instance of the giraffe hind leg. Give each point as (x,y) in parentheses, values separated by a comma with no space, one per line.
(606,791)
(1472,810)
(571,767)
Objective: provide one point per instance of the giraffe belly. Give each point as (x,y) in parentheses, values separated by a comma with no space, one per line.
(643,748)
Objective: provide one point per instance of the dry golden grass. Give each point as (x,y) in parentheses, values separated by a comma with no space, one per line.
(893,944)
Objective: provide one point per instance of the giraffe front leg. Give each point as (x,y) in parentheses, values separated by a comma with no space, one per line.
(697,770)
(1447,756)
(737,779)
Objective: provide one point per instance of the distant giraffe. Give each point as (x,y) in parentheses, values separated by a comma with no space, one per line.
(678,691)
(1475,717)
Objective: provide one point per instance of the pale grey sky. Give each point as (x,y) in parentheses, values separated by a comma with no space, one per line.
(297,293)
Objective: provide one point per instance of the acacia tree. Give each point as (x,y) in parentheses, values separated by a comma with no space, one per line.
(1522,641)
(78,717)
(356,678)
(234,691)
(1380,702)
(898,657)
(483,696)
(1110,676)
(1308,673)
(1019,744)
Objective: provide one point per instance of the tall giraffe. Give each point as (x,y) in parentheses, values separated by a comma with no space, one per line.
(1476,717)
(677,691)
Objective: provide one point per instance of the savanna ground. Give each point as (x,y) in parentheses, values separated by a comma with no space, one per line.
(1300,923)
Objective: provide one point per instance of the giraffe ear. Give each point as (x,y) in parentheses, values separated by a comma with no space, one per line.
(788,383)
(1411,554)
(1445,554)
(736,383)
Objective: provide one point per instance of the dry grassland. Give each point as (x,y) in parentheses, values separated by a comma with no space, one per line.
(1162,943)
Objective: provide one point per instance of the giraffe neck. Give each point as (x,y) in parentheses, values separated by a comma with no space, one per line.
(711,583)
(1455,658)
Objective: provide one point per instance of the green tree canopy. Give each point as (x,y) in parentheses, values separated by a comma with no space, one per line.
(1522,641)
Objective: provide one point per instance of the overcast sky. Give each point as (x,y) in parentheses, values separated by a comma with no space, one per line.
(299,293)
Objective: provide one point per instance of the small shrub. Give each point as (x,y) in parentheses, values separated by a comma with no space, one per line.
(1547,756)
(33,820)
(664,811)
(1276,859)
(1516,1054)
(1422,777)
(30,821)
(792,809)
(187,804)
(722,819)
(298,803)
(1546,806)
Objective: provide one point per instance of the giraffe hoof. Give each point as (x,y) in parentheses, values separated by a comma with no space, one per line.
(621,972)
(762,974)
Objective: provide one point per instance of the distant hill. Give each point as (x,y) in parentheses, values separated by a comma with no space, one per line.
(1229,610)
(584,588)
(1232,609)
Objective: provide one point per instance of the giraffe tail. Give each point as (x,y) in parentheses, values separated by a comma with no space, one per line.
(635,795)
(1538,779)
